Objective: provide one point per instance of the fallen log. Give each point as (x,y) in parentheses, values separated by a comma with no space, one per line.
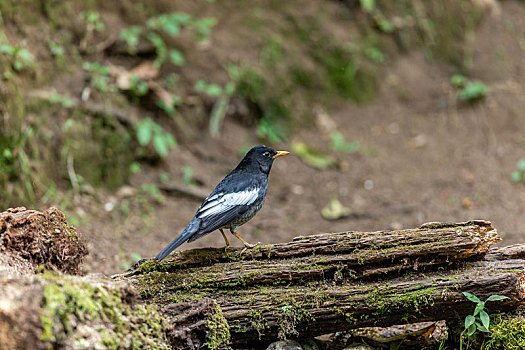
(266,312)
(336,281)
(310,286)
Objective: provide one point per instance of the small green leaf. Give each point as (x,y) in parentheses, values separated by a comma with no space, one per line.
(176,57)
(484,317)
(479,308)
(171,28)
(471,297)
(229,88)
(187,175)
(26,56)
(469,321)
(134,167)
(496,297)
(386,26)
(17,65)
(160,145)
(482,328)
(335,210)
(214,90)
(472,91)
(200,85)
(6,48)
(267,128)
(516,176)
(314,157)
(521,165)
(203,27)
(339,143)
(368,5)
(471,330)
(457,80)
(144,131)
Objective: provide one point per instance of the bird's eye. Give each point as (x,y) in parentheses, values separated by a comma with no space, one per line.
(266,154)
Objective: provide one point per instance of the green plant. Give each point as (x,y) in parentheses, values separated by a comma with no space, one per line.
(339,143)
(314,157)
(268,129)
(99,76)
(469,90)
(169,106)
(368,5)
(154,31)
(63,100)
(519,174)
(93,24)
(58,52)
(458,80)
(131,37)
(137,86)
(93,21)
(164,177)
(480,319)
(472,91)
(170,24)
(203,27)
(151,191)
(15,165)
(212,90)
(19,57)
(220,107)
(187,175)
(149,131)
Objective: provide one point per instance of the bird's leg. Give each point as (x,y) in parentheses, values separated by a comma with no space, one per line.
(246,244)
(225,238)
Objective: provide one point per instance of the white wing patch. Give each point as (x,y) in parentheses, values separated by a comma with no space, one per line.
(220,203)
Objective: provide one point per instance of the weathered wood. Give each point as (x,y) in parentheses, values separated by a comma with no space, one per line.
(336,281)
(357,254)
(310,286)
(267,312)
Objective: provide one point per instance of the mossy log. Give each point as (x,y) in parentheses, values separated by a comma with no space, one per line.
(359,254)
(336,281)
(218,297)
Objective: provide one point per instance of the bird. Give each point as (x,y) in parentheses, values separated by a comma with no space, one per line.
(233,202)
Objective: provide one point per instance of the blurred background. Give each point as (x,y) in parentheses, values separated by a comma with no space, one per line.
(125,114)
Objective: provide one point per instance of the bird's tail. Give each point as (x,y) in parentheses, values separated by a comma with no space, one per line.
(189,231)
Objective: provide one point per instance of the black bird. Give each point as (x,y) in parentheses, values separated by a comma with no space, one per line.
(235,200)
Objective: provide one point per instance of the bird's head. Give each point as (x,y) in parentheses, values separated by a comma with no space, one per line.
(261,157)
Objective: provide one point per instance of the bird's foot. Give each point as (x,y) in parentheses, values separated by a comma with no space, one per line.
(251,246)
(248,246)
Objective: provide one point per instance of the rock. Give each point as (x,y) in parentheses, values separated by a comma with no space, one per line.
(285,345)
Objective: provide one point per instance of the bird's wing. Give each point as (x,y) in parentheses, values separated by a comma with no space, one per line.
(220,208)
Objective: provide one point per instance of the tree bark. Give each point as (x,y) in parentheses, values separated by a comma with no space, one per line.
(330,282)
(310,286)
(266,312)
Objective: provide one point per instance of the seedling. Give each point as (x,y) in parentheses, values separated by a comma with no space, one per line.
(469,90)
(339,143)
(149,131)
(480,319)
(519,174)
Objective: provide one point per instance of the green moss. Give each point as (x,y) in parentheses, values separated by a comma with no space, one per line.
(414,299)
(69,302)
(218,328)
(289,316)
(257,321)
(507,332)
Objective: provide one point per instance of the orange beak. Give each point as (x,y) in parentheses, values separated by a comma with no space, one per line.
(280,153)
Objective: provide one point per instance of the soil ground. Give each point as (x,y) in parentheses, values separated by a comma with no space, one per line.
(428,158)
